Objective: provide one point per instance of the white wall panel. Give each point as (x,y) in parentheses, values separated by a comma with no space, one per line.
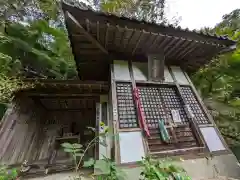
(140,71)
(121,70)
(179,75)
(167,75)
(131,146)
(212,139)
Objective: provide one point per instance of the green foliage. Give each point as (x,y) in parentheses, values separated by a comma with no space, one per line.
(41,47)
(78,151)
(8,86)
(228,125)
(37,41)
(33,41)
(116,5)
(162,170)
(220,79)
(7,174)
(148,10)
(108,170)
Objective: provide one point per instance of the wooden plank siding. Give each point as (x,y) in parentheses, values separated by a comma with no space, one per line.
(29,134)
(19,134)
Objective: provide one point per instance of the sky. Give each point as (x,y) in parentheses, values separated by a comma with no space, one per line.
(196,14)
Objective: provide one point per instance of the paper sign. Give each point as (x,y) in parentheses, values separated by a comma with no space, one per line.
(176,116)
(189,111)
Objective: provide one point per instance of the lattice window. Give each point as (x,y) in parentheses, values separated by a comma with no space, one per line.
(172,101)
(126,108)
(152,106)
(194,104)
(152,99)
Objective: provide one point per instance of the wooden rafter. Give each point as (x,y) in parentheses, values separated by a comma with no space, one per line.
(173,48)
(189,46)
(152,43)
(184,53)
(106,35)
(114,36)
(123,36)
(89,36)
(169,46)
(184,45)
(87,25)
(164,42)
(129,39)
(139,39)
(98,34)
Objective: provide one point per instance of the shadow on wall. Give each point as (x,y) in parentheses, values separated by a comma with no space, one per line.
(3,109)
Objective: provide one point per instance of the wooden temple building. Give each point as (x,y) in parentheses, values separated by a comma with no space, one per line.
(133,75)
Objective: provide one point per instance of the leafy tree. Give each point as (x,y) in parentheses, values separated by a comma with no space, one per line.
(219,80)
(40,44)
(148,10)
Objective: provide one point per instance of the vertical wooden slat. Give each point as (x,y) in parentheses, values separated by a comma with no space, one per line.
(6,128)
(20,143)
(4,122)
(7,143)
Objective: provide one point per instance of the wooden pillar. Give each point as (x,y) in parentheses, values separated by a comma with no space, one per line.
(115,116)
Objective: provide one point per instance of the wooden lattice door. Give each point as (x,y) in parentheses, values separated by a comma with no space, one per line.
(157,104)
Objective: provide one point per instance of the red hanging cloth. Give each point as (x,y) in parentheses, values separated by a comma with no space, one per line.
(141,115)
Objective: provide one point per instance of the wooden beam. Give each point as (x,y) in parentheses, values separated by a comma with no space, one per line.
(89,36)
(87,25)
(165,41)
(106,35)
(188,52)
(85,46)
(139,39)
(174,39)
(183,45)
(115,116)
(114,36)
(188,47)
(98,32)
(129,39)
(60,95)
(122,39)
(153,43)
(89,51)
(176,45)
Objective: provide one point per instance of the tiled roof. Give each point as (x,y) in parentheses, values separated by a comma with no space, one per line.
(82,6)
(120,37)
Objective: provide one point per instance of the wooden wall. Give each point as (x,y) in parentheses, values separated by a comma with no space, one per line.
(28,133)
(20,133)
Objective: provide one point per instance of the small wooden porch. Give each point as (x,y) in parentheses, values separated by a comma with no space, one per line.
(45,116)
